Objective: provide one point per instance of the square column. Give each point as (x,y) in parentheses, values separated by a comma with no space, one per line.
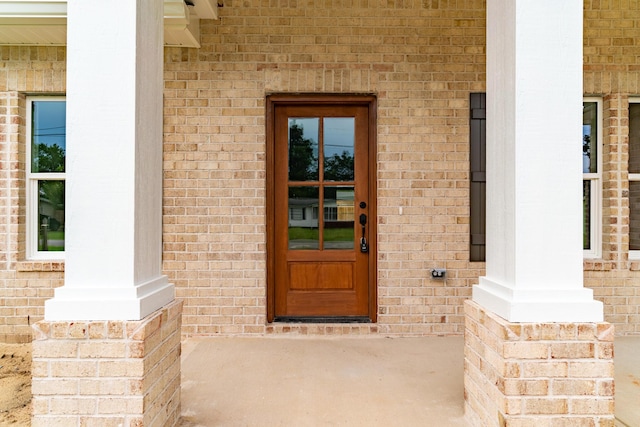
(534,267)
(536,349)
(114,163)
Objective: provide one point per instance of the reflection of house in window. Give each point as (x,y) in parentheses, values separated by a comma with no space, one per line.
(338,209)
(303,212)
(344,201)
(297,214)
(330,213)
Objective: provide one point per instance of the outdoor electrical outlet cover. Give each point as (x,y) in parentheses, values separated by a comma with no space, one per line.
(438,273)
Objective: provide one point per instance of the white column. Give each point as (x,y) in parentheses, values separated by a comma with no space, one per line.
(534,170)
(114,163)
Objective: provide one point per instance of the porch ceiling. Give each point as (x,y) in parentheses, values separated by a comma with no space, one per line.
(44,22)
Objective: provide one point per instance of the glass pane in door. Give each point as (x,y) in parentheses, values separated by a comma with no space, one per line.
(303,218)
(338,148)
(338,232)
(303,149)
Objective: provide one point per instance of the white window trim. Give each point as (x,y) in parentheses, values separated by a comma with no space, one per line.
(596,191)
(32,217)
(634,255)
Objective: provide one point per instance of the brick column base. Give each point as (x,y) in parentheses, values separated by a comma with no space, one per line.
(537,374)
(108,373)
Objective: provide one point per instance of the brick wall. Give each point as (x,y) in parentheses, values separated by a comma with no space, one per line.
(529,374)
(612,71)
(421,59)
(24,286)
(140,360)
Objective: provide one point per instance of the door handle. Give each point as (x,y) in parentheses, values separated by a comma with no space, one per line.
(364,246)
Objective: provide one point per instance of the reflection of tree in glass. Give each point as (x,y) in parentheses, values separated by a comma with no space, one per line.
(339,167)
(49,158)
(586,145)
(302,161)
(52,193)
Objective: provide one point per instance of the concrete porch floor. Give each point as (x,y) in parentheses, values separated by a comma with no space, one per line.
(314,381)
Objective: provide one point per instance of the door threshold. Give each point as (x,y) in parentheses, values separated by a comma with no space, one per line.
(322,319)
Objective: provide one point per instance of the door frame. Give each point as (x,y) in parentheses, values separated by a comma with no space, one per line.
(283,99)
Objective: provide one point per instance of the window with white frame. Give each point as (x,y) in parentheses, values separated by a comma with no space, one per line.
(634,178)
(45,167)
(591,176)
(330,213)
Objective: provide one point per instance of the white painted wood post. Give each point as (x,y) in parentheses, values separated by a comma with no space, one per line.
(114,163)
(534,171)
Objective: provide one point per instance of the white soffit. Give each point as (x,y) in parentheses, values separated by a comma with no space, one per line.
(44,22)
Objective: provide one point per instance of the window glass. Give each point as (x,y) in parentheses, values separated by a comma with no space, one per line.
(338,148)
(51,215)
(338,218)
(304,229)
(634,177)
(590,137)
(634,138)
(591,179)
(586,215)
(303,149)
(46,177)
(48,137)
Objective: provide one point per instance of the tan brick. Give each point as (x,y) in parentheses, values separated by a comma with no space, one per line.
(592,406)
(121,368)
(67,406)
(544,369)
(573,350)
(76,368)
(55,349)
(587,369)
(525,350)
(56,387)
(518,387)
(535,405)
(573,387)
(102,349)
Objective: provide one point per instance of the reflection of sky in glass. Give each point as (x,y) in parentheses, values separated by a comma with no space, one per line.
(338,135)
(309,128)
(49,123)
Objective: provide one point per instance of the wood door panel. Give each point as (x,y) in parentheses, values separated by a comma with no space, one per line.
(321,276)
(301,303)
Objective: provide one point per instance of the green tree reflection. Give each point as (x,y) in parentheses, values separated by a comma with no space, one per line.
(48,158)
(303,163)
(339,167)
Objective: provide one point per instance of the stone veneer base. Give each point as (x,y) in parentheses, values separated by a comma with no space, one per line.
(537,374)
(108,373)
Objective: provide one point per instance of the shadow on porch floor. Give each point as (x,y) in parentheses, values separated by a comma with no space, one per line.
(305,381)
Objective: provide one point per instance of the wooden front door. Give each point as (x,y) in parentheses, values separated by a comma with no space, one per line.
(322,217)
